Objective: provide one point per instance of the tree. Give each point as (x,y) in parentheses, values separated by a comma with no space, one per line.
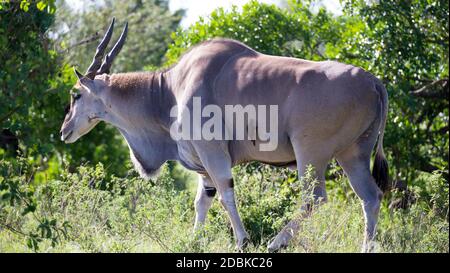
(405,43)
(26,67)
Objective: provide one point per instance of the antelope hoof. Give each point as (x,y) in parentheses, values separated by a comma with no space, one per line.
(369,247)
(274,247)
(243,245)
(279,242)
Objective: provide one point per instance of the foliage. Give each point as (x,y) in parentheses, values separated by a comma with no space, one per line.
(18,204)
(49,5)
(27,67)
(265,28)
(75,213)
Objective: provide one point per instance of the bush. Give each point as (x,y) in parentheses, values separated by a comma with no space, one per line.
(87,211)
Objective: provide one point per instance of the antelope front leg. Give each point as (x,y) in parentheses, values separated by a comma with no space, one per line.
(227,199)
(203,200)
(218,165)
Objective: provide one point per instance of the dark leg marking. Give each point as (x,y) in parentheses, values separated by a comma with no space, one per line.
(210,191)
(231,183)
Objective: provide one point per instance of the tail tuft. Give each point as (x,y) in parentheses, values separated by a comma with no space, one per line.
(380,169)
(380,172)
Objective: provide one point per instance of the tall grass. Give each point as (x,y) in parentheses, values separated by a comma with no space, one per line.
(92,212)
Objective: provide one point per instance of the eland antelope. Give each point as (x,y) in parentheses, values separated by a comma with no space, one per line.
(326,110)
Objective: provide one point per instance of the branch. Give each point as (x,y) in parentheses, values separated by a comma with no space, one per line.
(12,229)
(435,90)
(91,39)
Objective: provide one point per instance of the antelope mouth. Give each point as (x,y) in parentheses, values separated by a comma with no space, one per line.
(93,118)
(66,137)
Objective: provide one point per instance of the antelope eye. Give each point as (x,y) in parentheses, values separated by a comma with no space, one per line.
(76,96)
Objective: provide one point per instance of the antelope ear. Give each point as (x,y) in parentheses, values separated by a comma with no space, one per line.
(79,75)
(86,82)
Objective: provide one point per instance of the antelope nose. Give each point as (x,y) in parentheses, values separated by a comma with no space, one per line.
(66,135)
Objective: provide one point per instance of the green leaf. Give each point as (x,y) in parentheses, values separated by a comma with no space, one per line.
(41,5)
(24,5)
(28,209)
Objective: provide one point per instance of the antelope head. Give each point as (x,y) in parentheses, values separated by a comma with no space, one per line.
(87,107)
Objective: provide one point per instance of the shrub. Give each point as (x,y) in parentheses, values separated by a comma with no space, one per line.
(87,211)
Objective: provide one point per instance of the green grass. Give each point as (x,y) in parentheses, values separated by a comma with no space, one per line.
(138,216)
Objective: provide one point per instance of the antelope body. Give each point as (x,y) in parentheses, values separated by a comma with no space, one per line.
(326,110)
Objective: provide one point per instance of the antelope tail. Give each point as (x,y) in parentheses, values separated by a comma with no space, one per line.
(380,170)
